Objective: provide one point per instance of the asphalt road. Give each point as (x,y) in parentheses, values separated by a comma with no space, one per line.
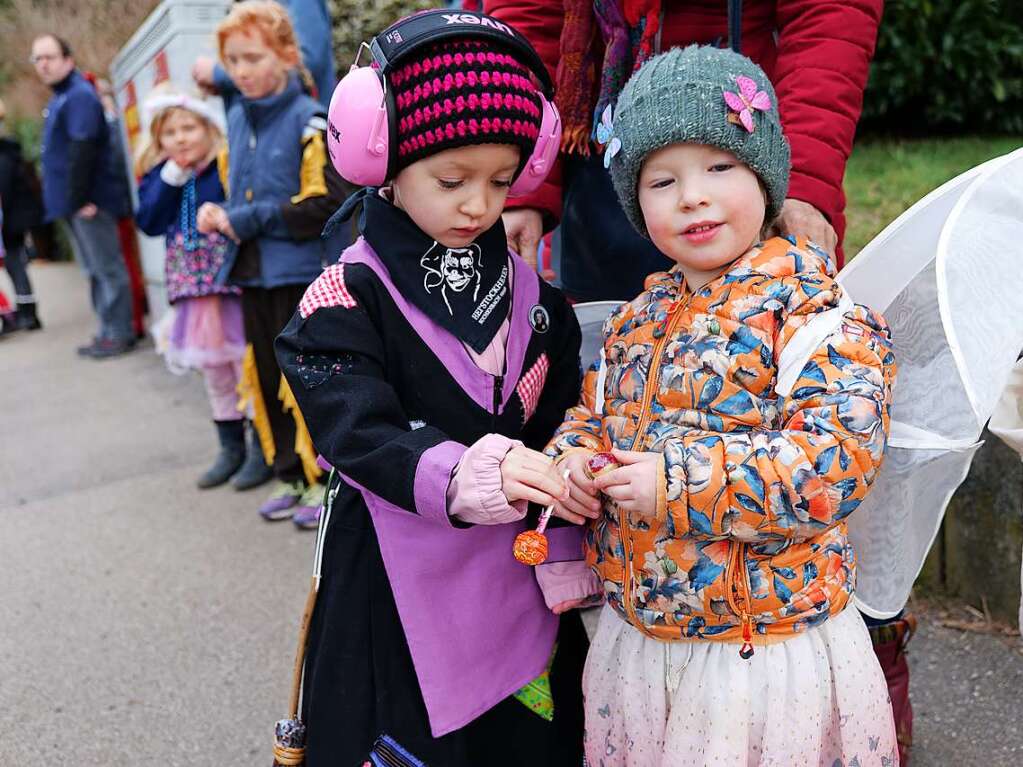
(142,621)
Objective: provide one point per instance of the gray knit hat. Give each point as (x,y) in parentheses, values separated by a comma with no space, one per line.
(702,95)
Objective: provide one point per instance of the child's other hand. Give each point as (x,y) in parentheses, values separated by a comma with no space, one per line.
(583,500)
(591,601)
(528,475)
(633,485)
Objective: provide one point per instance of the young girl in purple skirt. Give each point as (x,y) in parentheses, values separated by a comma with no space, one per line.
(179,172)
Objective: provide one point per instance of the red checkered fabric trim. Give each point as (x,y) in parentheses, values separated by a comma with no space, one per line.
(531,385)
(328,290)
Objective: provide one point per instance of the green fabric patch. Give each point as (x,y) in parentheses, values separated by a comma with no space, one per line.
(536,696)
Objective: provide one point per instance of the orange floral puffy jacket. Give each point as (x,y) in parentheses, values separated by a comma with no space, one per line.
(767,393)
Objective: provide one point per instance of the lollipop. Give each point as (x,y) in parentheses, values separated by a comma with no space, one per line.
(530,546)
(598,463)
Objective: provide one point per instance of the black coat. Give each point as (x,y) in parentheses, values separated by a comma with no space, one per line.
(22,207)
(377,399)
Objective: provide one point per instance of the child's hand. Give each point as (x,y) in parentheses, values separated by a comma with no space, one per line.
(528,475)
(208,217)
(213,218)
(202,73)
(583,500)
(228,231)
(633,485)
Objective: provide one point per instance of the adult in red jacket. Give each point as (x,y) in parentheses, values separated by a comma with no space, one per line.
(816,52)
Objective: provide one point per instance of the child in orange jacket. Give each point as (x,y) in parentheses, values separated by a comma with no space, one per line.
(745,398)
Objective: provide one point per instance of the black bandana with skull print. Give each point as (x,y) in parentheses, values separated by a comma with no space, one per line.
(466,290)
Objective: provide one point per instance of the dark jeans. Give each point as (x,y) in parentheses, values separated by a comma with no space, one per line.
(16,262)
(100,251)
(266,311)
(602,258)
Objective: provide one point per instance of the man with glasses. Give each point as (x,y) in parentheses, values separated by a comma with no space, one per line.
(80,186)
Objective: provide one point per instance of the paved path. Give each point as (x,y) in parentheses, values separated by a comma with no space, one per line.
(143,622)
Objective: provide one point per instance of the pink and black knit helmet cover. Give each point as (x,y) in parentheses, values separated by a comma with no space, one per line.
(459,93)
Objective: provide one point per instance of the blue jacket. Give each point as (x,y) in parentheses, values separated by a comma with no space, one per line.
(79,165)
(311,20)
(159,212)
(167,207)
(266,140)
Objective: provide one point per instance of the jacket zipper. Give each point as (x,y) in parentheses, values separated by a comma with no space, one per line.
(498,387)
(739,550)
(648,395)
(499,379)
(737,560)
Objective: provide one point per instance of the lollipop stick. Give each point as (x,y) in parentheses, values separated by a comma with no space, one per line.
(545,515)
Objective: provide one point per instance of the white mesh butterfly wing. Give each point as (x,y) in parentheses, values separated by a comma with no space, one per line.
(948,276)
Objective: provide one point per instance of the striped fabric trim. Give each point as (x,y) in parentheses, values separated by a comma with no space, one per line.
(464,95)
(531,385)
(327,291)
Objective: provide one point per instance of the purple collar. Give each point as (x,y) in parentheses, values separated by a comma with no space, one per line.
(476,383)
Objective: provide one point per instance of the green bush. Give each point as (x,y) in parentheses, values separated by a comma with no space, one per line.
(357,21)
(949,66)
(29,134)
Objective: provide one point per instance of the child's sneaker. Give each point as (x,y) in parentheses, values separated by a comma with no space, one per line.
(282,501)
(307,513)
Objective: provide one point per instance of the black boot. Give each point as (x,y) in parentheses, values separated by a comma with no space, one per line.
(232,454)
(27,318)
(254,472)
(7,324)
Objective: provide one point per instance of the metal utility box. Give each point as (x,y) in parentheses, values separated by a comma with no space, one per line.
(163,48)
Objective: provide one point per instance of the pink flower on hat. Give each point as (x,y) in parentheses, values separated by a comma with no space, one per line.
(747,101)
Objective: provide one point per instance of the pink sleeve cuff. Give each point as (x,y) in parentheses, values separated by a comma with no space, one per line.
(566,581)
(474,494)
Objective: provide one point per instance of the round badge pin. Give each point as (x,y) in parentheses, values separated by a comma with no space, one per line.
(539,319)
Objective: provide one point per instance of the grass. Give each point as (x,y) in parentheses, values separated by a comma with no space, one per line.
(885,176)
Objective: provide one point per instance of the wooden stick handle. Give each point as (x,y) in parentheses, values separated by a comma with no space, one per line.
(303,635)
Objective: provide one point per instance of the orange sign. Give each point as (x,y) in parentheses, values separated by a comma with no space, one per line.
(132,125)
(162,68)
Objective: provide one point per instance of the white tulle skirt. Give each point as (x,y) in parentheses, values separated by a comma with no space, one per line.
(818,698)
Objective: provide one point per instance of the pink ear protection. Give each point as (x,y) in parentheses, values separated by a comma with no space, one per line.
(361,118)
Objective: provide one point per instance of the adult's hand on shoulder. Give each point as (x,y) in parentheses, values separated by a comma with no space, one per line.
(524,227)
(800,218)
